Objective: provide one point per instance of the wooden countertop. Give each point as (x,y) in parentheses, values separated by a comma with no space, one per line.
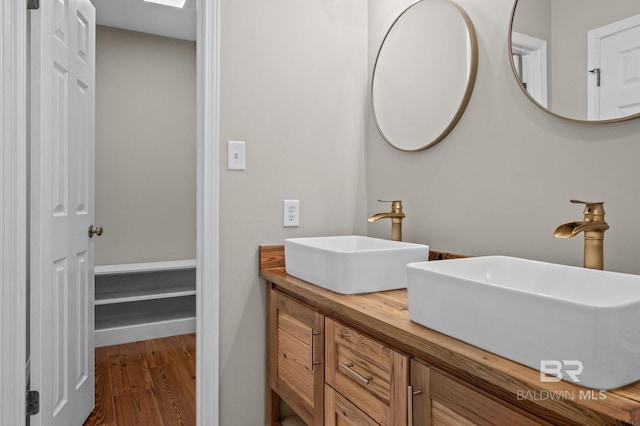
(385,316)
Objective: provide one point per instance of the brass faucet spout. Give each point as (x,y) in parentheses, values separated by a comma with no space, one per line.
(571,229)
(567,230)
(392,216)
(593,227)
(396,215)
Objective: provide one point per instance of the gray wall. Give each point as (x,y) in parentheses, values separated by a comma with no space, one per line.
(145,147)
(293,87)
(534,18)
(501,181)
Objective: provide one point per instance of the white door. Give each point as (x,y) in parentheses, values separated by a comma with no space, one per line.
(618,48)
(62,209)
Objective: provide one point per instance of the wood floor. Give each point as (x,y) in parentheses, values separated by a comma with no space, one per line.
(148,383)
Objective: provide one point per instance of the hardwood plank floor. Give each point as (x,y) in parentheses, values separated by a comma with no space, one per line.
(147,383)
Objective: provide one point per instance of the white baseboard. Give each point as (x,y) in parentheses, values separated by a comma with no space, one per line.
(154,330)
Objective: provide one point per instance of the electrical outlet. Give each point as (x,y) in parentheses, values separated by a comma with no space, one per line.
(291,214)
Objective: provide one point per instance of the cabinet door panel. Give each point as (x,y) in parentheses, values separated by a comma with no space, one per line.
(293,367)
(419,398)
(296,351)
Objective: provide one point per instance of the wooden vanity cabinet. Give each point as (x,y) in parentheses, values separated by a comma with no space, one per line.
(296,357)
(332,374)
(441,400)
(311,330)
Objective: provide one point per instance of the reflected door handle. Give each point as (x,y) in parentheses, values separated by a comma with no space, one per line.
(95,230)
(596,71)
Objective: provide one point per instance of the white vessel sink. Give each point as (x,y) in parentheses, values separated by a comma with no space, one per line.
(352,264)
(532,312)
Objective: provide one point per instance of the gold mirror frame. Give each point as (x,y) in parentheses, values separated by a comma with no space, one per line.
(472,71)
(535,102)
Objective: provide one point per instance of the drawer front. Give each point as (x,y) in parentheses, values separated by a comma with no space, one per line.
(453,403)
(368,373)
(338,411)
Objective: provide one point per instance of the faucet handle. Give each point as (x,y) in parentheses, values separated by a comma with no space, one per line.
(396,206)
(591,207)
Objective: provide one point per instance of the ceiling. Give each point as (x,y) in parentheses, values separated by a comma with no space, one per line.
(138,15)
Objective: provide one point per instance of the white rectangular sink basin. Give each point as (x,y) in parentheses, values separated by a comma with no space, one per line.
(554,318)
(352,264)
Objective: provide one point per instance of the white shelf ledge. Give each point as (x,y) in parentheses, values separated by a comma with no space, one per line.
(145,296)
(137,268)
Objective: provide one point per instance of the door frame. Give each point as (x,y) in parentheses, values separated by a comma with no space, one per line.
(207,222)
(534,53)
(13,208)
(13,222)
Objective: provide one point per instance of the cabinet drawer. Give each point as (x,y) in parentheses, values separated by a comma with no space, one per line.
(368,373)
(454,403)
(338,411)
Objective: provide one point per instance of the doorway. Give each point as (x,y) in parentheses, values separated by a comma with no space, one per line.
(145,305)
(145,185)
(13,195)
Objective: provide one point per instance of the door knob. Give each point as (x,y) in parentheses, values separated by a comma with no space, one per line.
(97,230)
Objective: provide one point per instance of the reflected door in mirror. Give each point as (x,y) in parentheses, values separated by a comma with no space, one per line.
(592,63)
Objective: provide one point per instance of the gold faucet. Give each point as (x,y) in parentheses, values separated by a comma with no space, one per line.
(593,227)
(396,216)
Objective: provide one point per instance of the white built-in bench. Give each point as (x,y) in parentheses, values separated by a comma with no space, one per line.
(140,301)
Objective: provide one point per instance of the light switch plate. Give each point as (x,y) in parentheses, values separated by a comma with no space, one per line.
(236,155)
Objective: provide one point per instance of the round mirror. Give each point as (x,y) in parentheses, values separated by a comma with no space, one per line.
(424,74)
(578,59)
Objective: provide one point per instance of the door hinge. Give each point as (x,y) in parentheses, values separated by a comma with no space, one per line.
(596,71)
(33,403)
(33,4)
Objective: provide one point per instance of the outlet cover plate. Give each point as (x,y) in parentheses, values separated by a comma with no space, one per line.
(291,214)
